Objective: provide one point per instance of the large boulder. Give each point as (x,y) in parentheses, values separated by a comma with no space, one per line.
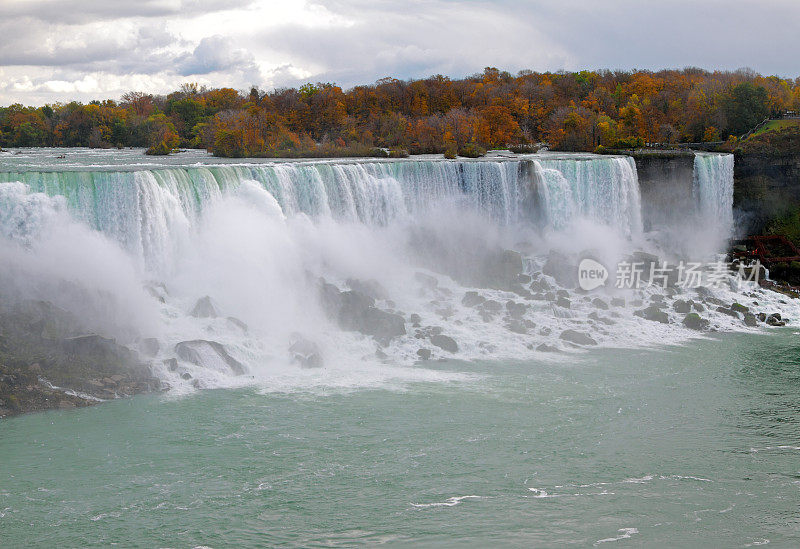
(695,322)
(306,353)
(209,354)
(205,308)
(562,269)
(445,342)
(578,338)
(654,314)
(356,312)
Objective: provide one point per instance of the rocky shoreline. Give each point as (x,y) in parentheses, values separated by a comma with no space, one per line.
(47,363)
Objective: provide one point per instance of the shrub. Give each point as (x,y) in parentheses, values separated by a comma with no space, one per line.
(471,150)
(160,149)
(524,148)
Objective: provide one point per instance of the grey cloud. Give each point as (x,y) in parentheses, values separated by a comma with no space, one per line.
(82,11)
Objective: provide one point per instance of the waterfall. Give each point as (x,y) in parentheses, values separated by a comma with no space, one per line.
(150,211)
(713,191)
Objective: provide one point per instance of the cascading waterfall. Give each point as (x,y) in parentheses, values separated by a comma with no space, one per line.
(150,211)
(259,238)
(713,191)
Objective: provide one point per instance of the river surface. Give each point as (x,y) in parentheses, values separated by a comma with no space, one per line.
(692,445)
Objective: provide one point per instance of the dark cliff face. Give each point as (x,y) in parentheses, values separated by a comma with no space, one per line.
(665,183)
(765,186)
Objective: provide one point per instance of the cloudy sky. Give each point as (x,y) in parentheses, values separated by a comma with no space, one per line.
(56,50)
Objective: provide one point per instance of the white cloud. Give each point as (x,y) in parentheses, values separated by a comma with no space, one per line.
(83,49)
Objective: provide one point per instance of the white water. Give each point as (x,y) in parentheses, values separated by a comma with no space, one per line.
(257,238)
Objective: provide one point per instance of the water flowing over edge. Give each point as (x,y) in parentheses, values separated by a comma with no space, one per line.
(257,240)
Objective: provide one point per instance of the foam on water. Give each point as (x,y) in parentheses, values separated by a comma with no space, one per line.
(137,248)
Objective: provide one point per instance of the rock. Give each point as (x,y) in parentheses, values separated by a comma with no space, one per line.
(562,269)
(682,306)
(517,326)
(540,286)
(739,308)
(205,308)
(578,338)
(545,348)
(563,302)
(653,313)
(445,312)
(371,288)
(238,323)
(729,312)
(618,301)
(524,279)
(597,318)
(697,306)
(504,269)
(695,322)
(150,346)
(600,304)
(445,342)
(516,310)
(98,347)
(208,354)
(306,353)
(545,331)
(424,354)
(186,375)
(750,319)
(472,299)
(415,319)
(762,317)
(426,281)
(775,320)
(357,312)
(171,364)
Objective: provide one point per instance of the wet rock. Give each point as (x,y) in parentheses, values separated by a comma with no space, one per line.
(237,323)
(697,306)
(727,311)
(578,338)
(356,312)
(654,314)
(524,279)
(171,364)
(306,353)
(762,317)
(517,326)
(682,306)
(209,354)
(424,354)
(472,299)
(503,271)
(150,346)
(98,347)
(372,288)
(775,320)
(545,331)
(597,318)
(540,286)
(445,342)
(562,269)
(516,310)
(618,301)
(695,322)
(415,320)
(445,312)
(739,308)
(205,308)
(600,304)
(186,375)
(563,302)
(546,348)
(426,281)
(750,319)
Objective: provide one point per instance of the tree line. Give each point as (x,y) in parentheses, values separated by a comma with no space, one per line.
(571,111)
